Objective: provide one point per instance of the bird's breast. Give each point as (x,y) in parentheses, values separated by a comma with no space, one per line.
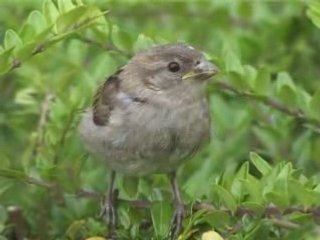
(142,138)
(177,128)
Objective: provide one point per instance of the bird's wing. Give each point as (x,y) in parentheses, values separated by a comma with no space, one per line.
(104,99)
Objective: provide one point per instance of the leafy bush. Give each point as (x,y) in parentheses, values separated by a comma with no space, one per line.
(258,179)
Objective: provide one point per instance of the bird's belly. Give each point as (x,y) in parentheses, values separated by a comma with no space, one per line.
(149,141)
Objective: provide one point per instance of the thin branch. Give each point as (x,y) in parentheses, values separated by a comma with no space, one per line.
(108,46)
(284,223)
(94,43)
(40,183)
(16,63)
(38,49)
(43,120)
(56,38)
(271,212)
(273,103)
(88,194)
(63,137)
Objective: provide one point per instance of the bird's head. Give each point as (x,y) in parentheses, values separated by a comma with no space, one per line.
(169,65)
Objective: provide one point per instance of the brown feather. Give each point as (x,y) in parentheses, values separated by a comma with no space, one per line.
(103,100)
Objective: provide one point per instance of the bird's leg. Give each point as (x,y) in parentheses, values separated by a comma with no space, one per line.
(179,211)
(108,211)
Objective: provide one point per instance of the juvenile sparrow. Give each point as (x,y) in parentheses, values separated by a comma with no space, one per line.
(149,117)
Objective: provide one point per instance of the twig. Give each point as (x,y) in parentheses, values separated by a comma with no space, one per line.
(269,211)
(65,131)
(108,46)
(40,183)
(94,43)
(273,103)
(88,194)
(284,223)
(43,45)
(43,119)
(16,63)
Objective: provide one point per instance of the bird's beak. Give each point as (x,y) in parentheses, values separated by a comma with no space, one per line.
(202,71)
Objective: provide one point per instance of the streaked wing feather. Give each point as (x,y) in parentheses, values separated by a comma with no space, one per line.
(103,102)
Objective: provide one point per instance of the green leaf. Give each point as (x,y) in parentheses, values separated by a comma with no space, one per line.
(254,188)
(26,51)
(143,42)
(95,227)
(237,187)
(130,185)
(43,37)
(276,198)
(27,32)
(99,69)
(5,63)
(161,215)
(125,215)
(78,18)
(261,230)
(78,2)
(3,214)
(315,105)
(313,12)
(14,174)
(279,193)
(65,5)
(101,32)
(257,207)
(121,39)
(196,218)
(263,82)
(75,228)
(232,61)
(26,96)
(50,12)
(226,197)
(250,74)
(37,21)
(218,218)
(302,194)
(304,99)
(260,163)
(71,20)
(11,40)
(243,172)
(286,89)
(238,81)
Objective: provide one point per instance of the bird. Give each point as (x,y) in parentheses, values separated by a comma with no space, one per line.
(149,117)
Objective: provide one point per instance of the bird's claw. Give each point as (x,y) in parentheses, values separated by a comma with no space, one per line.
(176,221)
(108,213)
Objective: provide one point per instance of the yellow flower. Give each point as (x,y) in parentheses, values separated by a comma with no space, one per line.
(211,235)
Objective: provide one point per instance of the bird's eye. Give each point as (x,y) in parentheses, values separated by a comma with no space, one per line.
(173,67)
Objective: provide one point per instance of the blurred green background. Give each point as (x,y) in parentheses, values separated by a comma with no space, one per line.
(265,105)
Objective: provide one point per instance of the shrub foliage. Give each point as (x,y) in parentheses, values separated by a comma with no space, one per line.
(258,179)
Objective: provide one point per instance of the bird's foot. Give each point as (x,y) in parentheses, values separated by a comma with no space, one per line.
(108,213)
(176,221)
